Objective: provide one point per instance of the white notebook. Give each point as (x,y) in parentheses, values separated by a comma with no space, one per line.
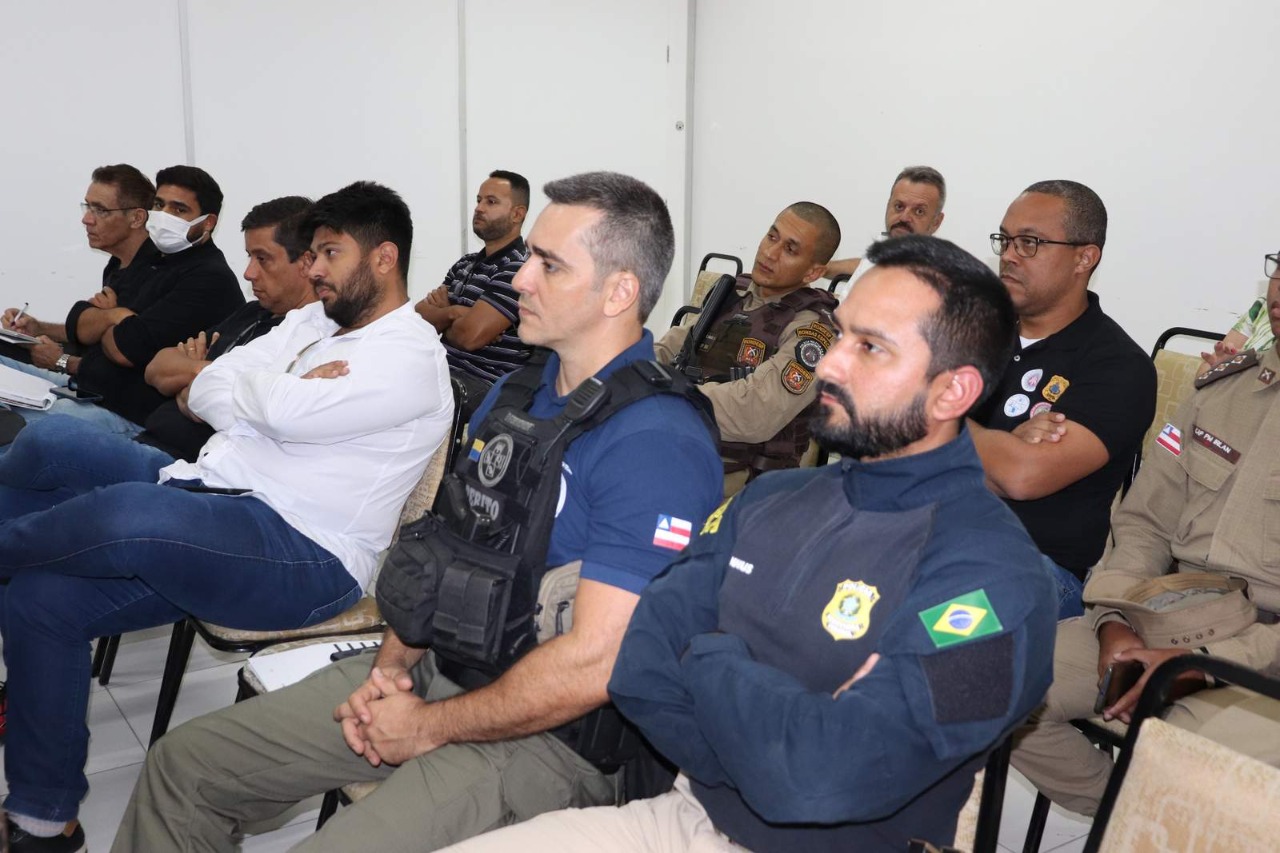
(23,389)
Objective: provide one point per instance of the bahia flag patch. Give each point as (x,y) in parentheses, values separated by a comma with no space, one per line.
(1170,438)
(672,532)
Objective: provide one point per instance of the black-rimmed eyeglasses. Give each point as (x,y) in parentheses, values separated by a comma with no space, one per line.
(1024,244)
(1270,264)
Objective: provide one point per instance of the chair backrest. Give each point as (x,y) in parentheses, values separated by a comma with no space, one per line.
(1176,790)
(1185,792)
(424,494)
(1175,382)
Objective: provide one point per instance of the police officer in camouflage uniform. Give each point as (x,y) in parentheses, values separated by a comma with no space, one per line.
(760,354)
(1205,502)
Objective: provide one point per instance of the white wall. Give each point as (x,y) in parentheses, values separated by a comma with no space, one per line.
(81,89)
(1164,108)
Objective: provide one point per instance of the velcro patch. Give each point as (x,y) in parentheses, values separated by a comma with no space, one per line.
(972,682)
(795,378)
(751,352)
(1215,444)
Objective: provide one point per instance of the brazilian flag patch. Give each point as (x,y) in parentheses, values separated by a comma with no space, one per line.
(966,617)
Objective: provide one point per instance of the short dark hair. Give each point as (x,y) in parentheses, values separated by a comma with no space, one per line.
(926,175)
(828,229)
(370,214)
(200,182)
(286,214)
(976,322)
(1086,217)
(133,189)
(519,185)
(635,233)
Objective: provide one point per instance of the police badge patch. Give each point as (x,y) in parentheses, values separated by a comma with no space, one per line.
(809,352)
(494,459)
(847,615)
(751,352)
(1057,386)
(795,378)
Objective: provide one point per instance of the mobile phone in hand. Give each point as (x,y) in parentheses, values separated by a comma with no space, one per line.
(1116,681)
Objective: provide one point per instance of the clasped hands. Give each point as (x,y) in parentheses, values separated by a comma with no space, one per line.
(383,721)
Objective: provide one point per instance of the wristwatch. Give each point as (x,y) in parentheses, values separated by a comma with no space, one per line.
(61,364)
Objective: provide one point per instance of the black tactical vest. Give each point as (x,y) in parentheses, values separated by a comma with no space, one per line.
(464,579)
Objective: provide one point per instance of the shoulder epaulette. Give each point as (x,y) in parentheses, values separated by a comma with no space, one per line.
(1230,367)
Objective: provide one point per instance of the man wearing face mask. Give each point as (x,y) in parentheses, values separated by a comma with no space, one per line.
(174,285)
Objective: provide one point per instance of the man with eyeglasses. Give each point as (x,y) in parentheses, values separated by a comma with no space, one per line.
(165,282)
(1060,433)
(1195,533)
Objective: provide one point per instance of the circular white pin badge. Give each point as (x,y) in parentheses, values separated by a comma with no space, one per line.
(1040,408)
(1016,405)
(1031,379)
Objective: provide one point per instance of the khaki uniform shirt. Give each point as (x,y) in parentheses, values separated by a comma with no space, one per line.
(754,409)
(1208,500)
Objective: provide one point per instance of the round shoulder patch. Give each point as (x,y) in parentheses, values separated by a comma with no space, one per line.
(809,352)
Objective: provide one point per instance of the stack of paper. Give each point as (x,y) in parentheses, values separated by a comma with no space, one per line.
(281,669)
(22,389)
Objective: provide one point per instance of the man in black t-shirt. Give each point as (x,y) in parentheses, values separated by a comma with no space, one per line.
(279,259)
(1067,418)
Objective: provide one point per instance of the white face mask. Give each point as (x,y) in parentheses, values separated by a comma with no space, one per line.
(169,232)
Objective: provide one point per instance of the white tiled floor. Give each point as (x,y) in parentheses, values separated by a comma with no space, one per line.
(120,722)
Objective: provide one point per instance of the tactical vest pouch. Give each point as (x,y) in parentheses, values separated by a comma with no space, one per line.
(554,613)
(474,597)
(408,584)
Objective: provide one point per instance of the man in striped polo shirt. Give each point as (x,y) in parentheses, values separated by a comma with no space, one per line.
(475,309)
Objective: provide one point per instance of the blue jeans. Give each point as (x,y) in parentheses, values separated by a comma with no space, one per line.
(120,558)
(59,457)
(1070,590)
(103,419)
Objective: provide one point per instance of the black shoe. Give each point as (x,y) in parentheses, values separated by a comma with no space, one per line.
(20,841)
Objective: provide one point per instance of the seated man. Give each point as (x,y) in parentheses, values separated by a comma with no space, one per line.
(1198,523)
(757,359)
(1075,376)
(169,288)
(279,262)
(325,426)
(451,763)
(475,309)
(915,207)
(832,657)
(59,457)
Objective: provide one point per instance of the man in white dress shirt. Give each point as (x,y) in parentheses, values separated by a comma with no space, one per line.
(325,425)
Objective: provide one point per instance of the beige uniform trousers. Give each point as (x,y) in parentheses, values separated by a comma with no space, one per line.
(1063,764)
(250,762)
(669,823)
